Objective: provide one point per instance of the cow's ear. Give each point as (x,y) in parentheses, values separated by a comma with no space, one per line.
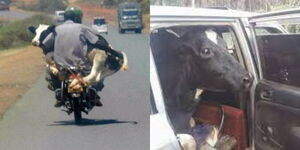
(32,29)
(184,51)
(186,46)
(51,28)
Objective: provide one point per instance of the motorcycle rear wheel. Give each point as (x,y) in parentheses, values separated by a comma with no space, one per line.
(77,111)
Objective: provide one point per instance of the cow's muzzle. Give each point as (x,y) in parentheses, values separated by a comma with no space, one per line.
(247,81)
(35,43)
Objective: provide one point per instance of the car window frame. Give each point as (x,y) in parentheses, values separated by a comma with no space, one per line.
(159,100)
(235,23)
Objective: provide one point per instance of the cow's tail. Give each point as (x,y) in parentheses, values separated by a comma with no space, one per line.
(124,66)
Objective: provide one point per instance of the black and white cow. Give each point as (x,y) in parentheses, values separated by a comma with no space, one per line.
(41,32)
(98,58)
(191,60)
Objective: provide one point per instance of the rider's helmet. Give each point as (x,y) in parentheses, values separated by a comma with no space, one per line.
(73,13)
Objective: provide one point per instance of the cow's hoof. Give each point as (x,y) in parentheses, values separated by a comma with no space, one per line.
(125,62)
(187,141)
(125,68)
(98,103)
(192,122)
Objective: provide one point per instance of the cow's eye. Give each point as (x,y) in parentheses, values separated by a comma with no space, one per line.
(206,52)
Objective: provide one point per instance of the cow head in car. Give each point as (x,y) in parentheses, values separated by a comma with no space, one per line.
(192,60)
(209,65)
(41,32)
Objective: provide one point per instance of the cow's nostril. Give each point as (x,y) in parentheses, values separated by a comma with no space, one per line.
(247,80)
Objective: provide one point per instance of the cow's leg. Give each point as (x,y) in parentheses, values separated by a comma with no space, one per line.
(53,80)
(197,98)
(99,58)
(51,73)
(107,72)
(188,105)
(97,69)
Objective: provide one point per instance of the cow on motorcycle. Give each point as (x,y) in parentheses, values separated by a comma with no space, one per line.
(78,60)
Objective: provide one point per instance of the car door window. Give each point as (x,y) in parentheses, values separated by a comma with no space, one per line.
(228,35)
(265,30)
(292,28)
(280,55)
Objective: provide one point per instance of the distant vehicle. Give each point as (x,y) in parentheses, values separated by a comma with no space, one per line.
(130,17)
(4,5)
(59,16)
(100,25)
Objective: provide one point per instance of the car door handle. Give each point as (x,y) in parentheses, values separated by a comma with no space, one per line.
(266,94)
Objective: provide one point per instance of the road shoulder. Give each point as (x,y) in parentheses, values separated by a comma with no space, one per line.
(20,68)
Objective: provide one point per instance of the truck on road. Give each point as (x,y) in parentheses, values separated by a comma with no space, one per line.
(130,17)
(4,4)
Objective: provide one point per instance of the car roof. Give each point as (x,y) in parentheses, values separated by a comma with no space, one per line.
(173,11)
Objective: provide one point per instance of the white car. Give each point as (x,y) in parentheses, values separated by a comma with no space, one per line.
(100,25)
(59,15)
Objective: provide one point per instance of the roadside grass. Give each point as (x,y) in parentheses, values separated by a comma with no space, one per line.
(95,2)
(20,68)
(15,34)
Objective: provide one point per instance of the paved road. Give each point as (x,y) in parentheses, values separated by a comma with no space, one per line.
(121,124)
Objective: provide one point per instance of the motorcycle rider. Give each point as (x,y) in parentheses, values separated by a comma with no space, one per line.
(72,41)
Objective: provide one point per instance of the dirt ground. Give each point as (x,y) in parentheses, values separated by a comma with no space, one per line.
(19,69)
(91,10)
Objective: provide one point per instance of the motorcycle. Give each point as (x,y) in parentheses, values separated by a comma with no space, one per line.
(79,100)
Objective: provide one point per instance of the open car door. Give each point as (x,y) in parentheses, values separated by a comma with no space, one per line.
(277,94)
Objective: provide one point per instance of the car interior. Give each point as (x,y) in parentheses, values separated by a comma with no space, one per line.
(226,109)
(234,105)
